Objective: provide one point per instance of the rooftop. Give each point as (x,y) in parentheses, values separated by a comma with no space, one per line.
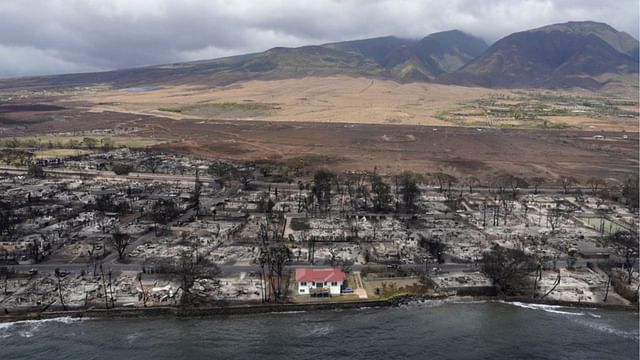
(312,274)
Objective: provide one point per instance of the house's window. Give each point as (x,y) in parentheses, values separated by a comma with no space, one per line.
(303,283)
(333,283)
(302,290)
(319,284)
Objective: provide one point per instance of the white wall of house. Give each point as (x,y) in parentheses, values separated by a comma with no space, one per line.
(334,287)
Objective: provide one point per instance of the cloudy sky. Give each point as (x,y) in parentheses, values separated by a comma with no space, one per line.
(61,36)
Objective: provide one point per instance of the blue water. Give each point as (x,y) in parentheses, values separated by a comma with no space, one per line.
(421,331)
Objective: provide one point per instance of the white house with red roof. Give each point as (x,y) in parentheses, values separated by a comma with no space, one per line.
(320,282)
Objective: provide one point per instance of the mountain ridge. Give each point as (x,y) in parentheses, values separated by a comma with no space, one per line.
(573,54)
(554,56)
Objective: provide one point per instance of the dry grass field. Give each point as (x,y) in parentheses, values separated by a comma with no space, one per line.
(317,99)
(335,99)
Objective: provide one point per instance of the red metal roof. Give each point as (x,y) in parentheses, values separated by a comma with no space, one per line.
(312,274)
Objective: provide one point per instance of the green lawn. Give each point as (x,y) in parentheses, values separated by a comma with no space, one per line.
(393,286)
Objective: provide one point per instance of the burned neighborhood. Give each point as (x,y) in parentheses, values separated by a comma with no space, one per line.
(170,230)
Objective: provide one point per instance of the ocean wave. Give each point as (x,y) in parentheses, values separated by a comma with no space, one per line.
(469,302)
(543,307)
(316,330)
(606,328)
(28,328)
(289,312)
(423,303)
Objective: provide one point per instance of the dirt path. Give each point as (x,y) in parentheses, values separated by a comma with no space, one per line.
(360,291)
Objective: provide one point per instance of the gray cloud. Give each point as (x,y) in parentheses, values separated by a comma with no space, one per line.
(60,36)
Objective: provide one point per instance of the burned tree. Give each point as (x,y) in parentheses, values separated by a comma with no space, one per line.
(510,182)
(144,295)
(35,171)
(409,190)
(8,219)
(152,163)
(274,254)
(225,172)
(434,246)
(188,267)
(121,169)
(245,177)
(567,182)
(4,275)
(554,216)
(35,251)
(195,194)
(508,269)
(472,182)
(444,179)
(119,242)
(322,181)
(627,242)
(631,192)
(596,183)
(164,211)
(382,193)
(59,276)
(537,182)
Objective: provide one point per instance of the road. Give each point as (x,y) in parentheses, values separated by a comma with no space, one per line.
(232,270)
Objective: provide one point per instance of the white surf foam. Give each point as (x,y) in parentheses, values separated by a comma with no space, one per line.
(606,328)
(27,328)
(544,307)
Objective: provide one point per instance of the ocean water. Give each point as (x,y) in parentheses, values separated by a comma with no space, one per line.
(432,330)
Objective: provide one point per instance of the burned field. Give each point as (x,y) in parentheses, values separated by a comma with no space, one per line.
(394,148)
(390,148)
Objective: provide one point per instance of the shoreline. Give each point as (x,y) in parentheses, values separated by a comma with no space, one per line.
(228,310)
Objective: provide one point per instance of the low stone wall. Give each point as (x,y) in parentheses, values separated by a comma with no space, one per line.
(154,311)
(276,308)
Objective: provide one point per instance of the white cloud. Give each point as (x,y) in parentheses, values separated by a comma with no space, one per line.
(56,36)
